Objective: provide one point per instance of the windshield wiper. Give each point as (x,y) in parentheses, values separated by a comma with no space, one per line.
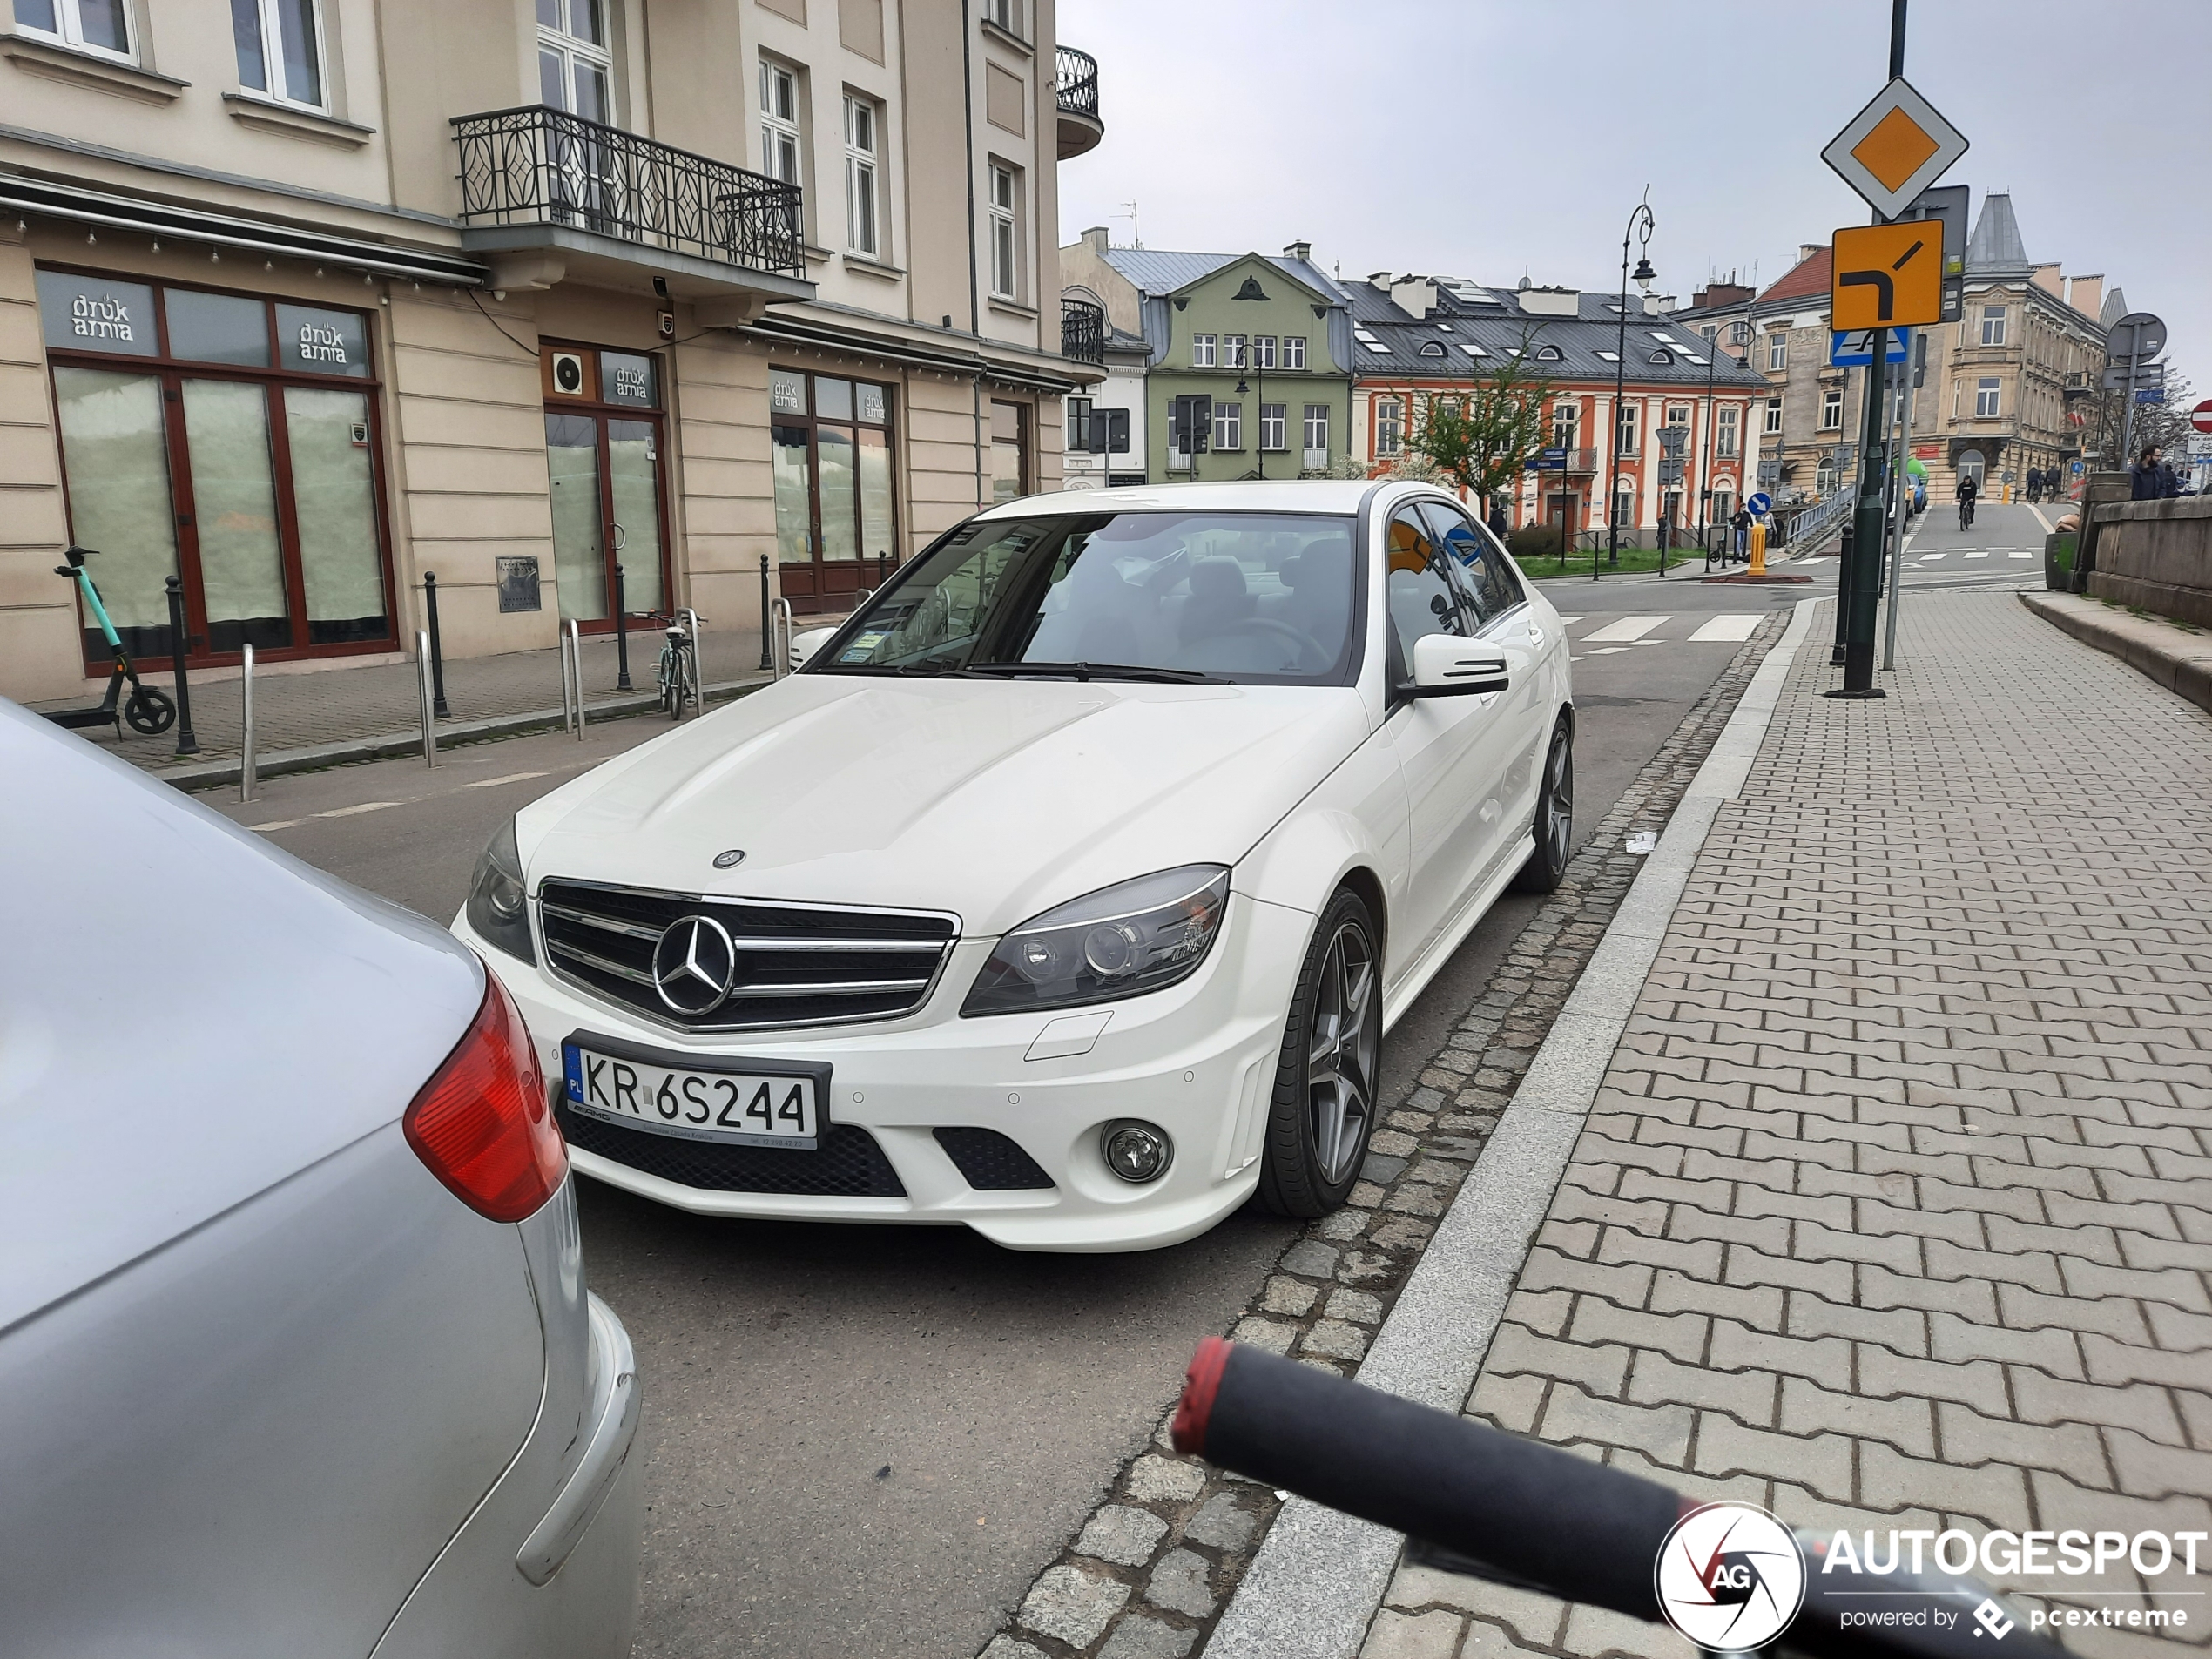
(1098,671)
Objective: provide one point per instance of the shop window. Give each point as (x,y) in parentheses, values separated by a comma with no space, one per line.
(227,440)
(830,450)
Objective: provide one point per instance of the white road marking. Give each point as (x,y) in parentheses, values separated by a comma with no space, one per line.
(2048,528)
(1977,555)
(2019,556)
(511,777)
(366,806)
(1721,628)
(1602,651)
(1568,622)
(1628,628)
(1930,558)
(282,823)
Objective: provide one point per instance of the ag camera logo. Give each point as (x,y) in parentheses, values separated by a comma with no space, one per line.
(1730,1577)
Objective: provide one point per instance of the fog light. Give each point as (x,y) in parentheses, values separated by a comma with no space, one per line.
(1136,1151)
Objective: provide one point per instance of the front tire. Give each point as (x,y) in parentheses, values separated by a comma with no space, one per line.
(1324,1105)
(1546,865)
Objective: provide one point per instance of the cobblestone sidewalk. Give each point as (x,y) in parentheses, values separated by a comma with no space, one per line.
(1895,1207)
(1152,1568)
(298,711)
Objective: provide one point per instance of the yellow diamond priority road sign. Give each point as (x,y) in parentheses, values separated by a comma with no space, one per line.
(1894,149)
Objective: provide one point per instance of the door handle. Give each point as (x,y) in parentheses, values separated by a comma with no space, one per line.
(622,538)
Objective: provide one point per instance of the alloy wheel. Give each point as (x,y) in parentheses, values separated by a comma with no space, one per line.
(1559,804)
(1340,1061)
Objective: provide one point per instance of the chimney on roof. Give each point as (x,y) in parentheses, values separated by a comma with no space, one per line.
(1095,238)
(1551,302)
(1302,252)
(1415,296)
(1721,293)
(1379,279)
(2045,277)
(2086,293)
(1807,250)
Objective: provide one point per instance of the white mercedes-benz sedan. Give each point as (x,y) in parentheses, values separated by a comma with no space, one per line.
(1068,891)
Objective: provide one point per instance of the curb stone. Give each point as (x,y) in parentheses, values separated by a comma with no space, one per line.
(1334,1284)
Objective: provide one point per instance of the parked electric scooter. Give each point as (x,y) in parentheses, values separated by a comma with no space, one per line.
(148,709)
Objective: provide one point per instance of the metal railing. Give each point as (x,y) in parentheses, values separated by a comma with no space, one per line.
(1808,530)
(1082,331)
(1077,80)
(539,165)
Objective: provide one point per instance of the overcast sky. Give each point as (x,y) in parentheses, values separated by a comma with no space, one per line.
(1479,137)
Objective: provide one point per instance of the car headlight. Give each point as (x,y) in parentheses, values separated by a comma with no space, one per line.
(1122,940)
(498,904)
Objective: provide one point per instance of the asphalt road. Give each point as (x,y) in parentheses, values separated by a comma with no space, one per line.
(864,1442)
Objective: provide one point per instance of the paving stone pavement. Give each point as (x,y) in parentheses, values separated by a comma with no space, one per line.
(1151,1569)
(296,710)
(1895,1207)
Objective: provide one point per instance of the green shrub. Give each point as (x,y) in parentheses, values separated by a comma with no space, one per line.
(1535,541)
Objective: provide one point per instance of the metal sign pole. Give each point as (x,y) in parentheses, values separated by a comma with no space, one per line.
(1900,513)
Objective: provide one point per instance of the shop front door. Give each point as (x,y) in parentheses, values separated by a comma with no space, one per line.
(605,467)
(836,526)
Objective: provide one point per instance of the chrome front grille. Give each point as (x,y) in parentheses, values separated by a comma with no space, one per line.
(797,964)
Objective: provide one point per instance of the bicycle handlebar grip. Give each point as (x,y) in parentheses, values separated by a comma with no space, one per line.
(1582,1531)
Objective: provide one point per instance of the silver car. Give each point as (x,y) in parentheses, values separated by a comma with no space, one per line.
(295,1348)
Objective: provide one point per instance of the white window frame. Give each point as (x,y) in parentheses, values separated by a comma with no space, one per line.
(783,151)
(863,176)
(1201,351)
(1233,350)
(574,49)
(1678,414)
(1390,427)
(1271,428)
(1626,421)
(1263,351)
(1229,426)
(1777,351)
(274,85)
(1566,425)
(1993,324)
(1727,420)
(1832,409)
(1988,389)
(1004,203)
(1293,351)
(1773,415)
(69,29)
(1317,428)
(1005,14)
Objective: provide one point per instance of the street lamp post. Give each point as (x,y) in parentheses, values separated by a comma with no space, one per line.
(1737,334)
(1641,220)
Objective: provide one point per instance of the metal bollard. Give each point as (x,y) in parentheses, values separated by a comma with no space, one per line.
(437,650)
(785,626)
(187,744)
(568,685)
(622,634)
(766,659)
(575,667)
(246,779)
(423,688)
(698,678)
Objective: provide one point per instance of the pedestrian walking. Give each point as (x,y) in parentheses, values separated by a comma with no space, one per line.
(2151,479)
(1498,516)
(1741,525)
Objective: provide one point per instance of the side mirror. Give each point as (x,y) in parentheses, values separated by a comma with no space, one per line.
(1447,665)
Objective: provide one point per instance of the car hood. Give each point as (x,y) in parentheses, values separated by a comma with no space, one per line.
(994,800)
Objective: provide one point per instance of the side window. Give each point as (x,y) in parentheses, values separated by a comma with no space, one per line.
(1423,599)
(1477,559)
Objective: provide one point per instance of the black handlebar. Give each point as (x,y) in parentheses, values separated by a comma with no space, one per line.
(1516,1510)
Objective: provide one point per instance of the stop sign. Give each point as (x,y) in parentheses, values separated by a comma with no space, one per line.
(2200,416)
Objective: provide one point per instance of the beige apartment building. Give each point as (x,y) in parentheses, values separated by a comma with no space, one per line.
(302,300)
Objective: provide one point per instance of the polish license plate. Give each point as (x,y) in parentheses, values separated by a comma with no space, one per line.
(738,1102)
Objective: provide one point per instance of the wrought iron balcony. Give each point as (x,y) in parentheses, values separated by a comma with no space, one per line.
(539,165)
(1082,331)
(1077,81)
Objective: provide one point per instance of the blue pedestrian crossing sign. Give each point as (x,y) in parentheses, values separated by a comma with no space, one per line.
(1854,348)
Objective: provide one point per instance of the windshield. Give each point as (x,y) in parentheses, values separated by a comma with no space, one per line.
(1260,598)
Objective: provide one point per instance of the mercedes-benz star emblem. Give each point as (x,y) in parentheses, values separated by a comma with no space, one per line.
(731,859)
(693,965)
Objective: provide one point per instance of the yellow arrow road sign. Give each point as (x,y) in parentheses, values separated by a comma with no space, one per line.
(1887,276)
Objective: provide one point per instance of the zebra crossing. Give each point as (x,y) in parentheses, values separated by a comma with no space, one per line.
(1612,636)
(1983,553)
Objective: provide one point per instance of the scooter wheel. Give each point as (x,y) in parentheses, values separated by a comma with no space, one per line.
(150,711)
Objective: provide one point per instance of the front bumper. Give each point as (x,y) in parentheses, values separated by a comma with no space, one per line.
(1197,1059)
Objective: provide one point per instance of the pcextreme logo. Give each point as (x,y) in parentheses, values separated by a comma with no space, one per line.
(1730,1577)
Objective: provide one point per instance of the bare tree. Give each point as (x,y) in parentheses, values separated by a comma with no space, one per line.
(1480,439)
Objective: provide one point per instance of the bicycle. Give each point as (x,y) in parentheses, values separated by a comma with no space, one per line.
(148,709)
(677,672)
(1965,512)
(1478,1501)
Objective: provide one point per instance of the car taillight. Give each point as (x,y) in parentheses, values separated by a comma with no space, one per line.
(483,1124)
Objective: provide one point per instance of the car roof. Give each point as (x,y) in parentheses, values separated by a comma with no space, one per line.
(1253,496)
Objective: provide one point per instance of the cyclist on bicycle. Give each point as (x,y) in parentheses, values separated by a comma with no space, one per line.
(1968,490)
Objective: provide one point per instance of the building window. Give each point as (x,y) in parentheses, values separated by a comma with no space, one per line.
(228,441)
(830,446)
(1232,352)
(1006,14)
(1010,450)
(1624,505)
(1316,435)
(1005,264)
(90,25)
(1774,414)
(279,52)
(1724,432)
(575,68)
(1707,329)
(778,121)
(1993,324)
(1566,421)
(1985,398)
(1270,427)
(1079,415)
(862,211)
(1201,351)
(1678,414)
(1626,438)
(1228,426)
(1389,426)
(1263,351)
(1778,352)
(1293,351)
(1831,409)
